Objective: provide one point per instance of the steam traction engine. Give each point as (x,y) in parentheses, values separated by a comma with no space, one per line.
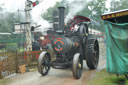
(71,46)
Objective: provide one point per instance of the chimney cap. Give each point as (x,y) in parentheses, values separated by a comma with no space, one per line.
(61,7)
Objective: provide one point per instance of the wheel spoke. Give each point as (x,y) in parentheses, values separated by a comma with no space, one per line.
(45,65)
(43,70)
(77,66)
(78,72)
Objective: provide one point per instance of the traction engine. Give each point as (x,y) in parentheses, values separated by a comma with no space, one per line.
(71,46)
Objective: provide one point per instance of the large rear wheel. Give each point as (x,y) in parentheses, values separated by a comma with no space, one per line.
(92,57)
(44,63)
(77,66)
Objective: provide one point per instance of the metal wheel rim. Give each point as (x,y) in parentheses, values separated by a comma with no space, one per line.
(79,70)
(45,64)
(77,66)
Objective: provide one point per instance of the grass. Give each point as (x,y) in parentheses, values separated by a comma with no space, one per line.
(104,78)
(4,81)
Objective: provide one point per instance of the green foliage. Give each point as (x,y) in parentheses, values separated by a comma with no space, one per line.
(48,14)
(94,10)
(5,81)
(103,78)
(7,22)
(118,5)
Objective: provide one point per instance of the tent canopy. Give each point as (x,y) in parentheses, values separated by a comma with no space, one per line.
(120,16)
(116,29)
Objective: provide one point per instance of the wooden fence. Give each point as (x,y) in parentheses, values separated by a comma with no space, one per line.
(12,60)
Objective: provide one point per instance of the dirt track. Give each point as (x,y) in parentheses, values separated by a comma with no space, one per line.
(58,77)
(55,77)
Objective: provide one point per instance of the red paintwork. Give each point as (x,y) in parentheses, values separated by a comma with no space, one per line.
(34,4)
(30,53)
(46,41)
(77,19)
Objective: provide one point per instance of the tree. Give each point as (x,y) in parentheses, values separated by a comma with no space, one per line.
(94,10)
(118,5)
(7,21)
(48,14)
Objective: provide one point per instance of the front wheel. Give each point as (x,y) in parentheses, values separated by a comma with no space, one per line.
(77,66)
(44,63)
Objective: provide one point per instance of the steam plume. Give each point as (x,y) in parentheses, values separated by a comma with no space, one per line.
(75,6)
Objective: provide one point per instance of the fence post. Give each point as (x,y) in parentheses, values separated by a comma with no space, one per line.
(16,62)
(1,67)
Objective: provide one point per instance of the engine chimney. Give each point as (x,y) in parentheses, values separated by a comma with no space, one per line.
(55,20)
(61,19)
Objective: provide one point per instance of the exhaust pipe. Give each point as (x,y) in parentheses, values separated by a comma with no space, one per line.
(55,20)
